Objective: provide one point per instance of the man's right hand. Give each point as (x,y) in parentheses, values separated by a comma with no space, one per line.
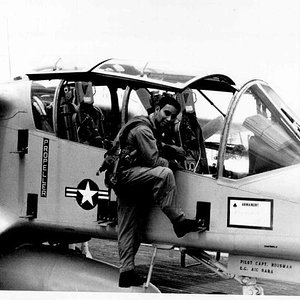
(173,152)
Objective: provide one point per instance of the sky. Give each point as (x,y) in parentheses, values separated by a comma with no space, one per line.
(244,39)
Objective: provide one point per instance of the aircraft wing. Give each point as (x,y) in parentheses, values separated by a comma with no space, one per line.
(8,223)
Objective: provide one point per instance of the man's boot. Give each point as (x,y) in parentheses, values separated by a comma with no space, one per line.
(184,226)
(130,278)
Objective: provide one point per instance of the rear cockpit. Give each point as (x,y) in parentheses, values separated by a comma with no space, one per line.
(69,110)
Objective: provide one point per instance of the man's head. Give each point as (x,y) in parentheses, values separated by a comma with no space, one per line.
(166,110)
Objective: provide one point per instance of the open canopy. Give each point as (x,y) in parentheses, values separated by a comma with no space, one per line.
(138,74)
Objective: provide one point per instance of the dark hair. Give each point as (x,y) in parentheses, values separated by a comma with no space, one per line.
(168,99)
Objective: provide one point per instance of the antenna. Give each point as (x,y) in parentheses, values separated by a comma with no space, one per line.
(55,65)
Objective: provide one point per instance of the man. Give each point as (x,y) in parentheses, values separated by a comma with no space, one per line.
(144,174)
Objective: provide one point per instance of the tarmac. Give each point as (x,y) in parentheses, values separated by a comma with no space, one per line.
(170,277)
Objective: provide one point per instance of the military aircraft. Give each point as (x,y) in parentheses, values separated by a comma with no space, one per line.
(240,175)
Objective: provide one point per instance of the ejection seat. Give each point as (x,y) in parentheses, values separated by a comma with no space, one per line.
(90,129)
(68,117)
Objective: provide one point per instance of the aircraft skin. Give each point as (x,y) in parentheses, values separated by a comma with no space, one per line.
(50,191)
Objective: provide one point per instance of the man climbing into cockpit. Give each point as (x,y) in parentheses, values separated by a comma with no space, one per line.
(144,174)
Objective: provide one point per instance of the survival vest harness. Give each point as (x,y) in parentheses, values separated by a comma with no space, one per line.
(118,152)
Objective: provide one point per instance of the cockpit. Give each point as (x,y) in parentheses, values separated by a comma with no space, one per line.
(225,132)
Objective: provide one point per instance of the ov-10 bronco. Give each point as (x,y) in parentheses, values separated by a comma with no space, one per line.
(240,175)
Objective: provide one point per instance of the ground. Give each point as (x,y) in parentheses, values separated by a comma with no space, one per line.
(170,277)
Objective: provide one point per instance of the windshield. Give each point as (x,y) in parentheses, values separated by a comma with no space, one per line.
(144,69)
(260,137)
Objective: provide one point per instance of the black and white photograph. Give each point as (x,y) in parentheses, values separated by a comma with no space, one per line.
(149,146)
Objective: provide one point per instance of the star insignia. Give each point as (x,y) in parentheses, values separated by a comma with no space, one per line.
(87,194)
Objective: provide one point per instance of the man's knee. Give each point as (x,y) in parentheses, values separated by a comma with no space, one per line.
(168,176)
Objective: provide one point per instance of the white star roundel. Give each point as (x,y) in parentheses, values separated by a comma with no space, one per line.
(87,194)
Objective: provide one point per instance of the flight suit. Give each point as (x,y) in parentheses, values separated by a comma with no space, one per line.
(146,179)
